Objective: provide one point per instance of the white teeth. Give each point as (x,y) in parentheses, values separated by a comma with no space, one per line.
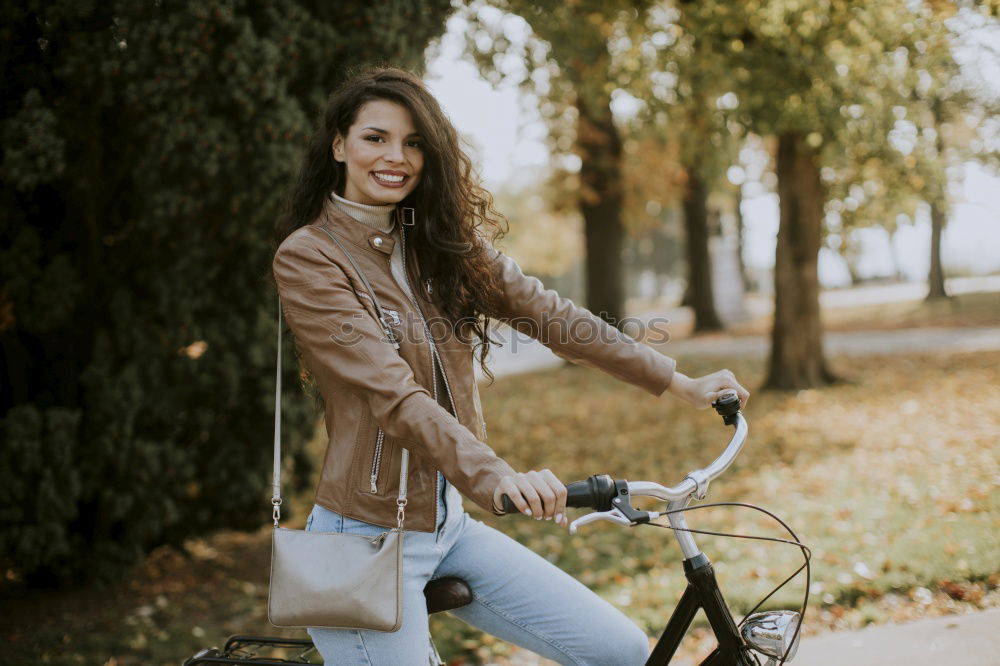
(389,178)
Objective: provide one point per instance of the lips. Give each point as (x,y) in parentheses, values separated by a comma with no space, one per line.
(391,179)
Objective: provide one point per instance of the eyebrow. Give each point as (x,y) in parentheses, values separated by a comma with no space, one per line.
(382,131)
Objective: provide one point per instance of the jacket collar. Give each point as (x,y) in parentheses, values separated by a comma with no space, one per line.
(350,229)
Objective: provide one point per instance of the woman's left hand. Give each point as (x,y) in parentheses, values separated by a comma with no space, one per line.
(703,391)
(536,493)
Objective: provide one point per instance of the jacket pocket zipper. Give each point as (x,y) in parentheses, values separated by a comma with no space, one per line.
(377,459)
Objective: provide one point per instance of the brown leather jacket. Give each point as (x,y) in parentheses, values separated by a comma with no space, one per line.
(379,400)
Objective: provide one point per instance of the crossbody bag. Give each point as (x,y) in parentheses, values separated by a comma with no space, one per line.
(330,579)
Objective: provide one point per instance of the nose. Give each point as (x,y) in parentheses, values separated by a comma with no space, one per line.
(394,152)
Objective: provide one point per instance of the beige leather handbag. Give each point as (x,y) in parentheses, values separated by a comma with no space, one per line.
(329,579)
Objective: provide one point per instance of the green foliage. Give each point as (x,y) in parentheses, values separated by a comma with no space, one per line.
(564,53)
(568,59)
(854,79)
(147,147)
(851,78)
(684,81)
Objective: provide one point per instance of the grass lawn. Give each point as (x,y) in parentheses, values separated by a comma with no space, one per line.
(972,309)
(962,310)
(892,478)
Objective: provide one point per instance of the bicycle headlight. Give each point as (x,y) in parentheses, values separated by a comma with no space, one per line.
(772,632)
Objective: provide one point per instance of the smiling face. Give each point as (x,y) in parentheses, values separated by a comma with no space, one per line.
(382,153)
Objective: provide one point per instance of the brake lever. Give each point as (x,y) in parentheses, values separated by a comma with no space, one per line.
(614,516)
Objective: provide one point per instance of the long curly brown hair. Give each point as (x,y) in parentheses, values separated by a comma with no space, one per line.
(454,213)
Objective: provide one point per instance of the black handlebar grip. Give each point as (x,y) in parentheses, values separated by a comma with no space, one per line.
(728,406)
(594,493)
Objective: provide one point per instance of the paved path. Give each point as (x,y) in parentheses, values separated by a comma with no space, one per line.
(953,640)
(850,343)
(522,354)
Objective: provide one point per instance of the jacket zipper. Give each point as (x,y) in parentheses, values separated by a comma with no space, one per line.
(377,459)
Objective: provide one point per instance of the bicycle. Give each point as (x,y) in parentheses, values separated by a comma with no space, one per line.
(771,634)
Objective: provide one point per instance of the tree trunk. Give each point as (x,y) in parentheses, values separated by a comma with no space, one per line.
(939,203)
(600,150)
(699,263)
(687,298)
(936,277)
(797,360)
(740,239)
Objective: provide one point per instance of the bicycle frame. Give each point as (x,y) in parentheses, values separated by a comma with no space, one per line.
(702,593)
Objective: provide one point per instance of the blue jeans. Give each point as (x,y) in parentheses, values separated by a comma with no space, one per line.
(518,597)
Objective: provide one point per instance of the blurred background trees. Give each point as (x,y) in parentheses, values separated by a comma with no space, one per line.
(570,65)
(147,148)
(864,106)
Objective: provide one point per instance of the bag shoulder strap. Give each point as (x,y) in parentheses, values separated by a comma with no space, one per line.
(405,455)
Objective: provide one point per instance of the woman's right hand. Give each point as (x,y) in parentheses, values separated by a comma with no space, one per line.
(536,493)
(701,392)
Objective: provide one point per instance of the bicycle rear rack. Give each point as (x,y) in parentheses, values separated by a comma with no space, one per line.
(244,649)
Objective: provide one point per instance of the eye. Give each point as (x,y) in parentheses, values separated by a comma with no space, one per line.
(415,143)
(374,138)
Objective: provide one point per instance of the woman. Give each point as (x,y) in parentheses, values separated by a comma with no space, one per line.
(386,175)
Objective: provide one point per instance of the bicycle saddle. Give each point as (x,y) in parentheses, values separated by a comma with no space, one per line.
(447,593)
